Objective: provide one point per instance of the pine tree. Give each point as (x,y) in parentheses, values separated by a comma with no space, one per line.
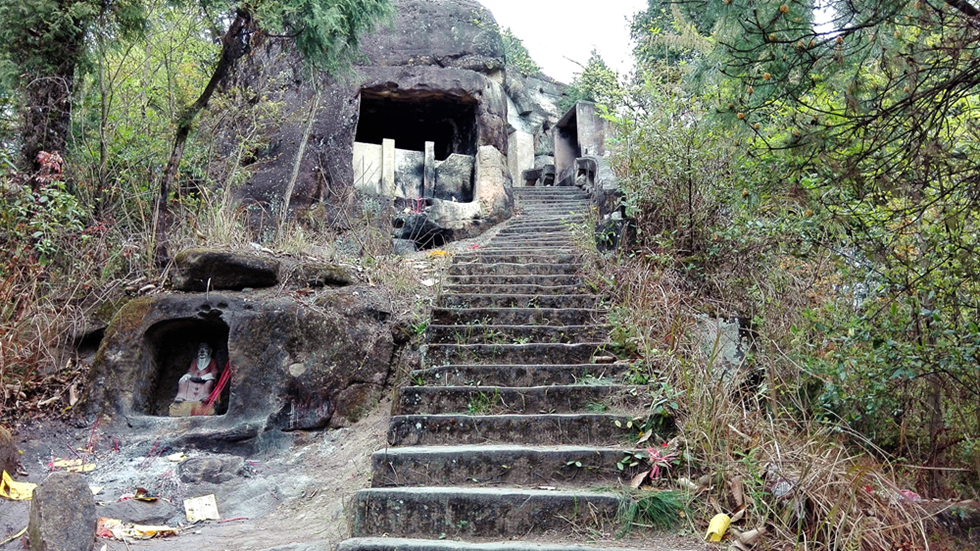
(596,83)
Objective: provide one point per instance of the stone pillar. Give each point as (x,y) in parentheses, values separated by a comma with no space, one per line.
(388,167)
(520,155)
(429,170)
(492,182)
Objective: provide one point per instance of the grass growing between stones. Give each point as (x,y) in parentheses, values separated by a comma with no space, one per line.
(658,509)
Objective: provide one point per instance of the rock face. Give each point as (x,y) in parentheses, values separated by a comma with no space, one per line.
(437,57)
(62,514)
(8,452)
(295,364)
(203,269)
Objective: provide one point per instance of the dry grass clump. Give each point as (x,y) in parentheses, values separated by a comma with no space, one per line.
(749,448)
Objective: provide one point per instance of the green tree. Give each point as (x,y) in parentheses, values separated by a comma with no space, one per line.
(325,32)
(596,83)
(877,108)
(43,43)
(671,32)
(516,54)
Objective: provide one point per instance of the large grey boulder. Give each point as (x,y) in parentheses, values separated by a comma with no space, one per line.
(62,514)
(139,512)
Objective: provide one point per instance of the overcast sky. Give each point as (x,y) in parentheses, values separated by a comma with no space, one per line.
(555,29)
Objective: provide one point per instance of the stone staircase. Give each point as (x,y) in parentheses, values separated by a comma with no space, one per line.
(506,434)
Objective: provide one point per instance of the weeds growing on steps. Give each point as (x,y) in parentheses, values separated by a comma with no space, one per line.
(660,509)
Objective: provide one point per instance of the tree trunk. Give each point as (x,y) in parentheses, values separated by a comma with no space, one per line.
(47,115)
(234,44)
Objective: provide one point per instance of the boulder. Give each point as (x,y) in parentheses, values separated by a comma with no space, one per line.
(422,230)
(9,457)
(63,516)
(208,269)
(139,512)
(295,365)
(211,469)
(454,179)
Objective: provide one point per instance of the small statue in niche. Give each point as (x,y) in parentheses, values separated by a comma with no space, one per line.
(194,386)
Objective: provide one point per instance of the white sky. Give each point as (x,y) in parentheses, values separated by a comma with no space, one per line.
(555,29)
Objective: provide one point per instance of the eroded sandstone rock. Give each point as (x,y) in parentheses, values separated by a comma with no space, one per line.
(294,364)
(62,514)
(8,452)
(204,269)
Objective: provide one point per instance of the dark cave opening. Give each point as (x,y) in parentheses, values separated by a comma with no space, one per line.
(412,119)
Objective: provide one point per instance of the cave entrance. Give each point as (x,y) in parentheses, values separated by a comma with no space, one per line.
(172,346)
(412,118)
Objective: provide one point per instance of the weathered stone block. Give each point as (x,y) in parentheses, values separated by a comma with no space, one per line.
(204,269)
(62,514)
(290,362)
(212,469)
(454,179)
(8,452)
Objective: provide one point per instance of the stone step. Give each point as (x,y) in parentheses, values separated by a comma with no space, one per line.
(586,429)
(476,512)
(538,198)
(517,316)
(555,212)
(541,256)
(515,334)
(407,544)
(475,400)
(548,230)
(512,268)
(491,465)
(452,299)
(536,192)
(520,375)
(530,209)
(516,354)
(528,279)
(529,242)
(517,289)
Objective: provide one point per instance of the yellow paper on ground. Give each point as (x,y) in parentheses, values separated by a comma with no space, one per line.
(201,508)
(115,528)
(73,465)
(17,491)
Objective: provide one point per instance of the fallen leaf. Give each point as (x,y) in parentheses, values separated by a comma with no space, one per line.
(638,479)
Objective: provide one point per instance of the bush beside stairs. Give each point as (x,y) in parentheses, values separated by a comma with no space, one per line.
(504,436)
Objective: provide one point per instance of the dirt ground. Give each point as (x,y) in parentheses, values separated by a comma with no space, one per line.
(290,500)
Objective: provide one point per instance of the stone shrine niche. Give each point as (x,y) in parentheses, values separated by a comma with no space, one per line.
(172,345)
